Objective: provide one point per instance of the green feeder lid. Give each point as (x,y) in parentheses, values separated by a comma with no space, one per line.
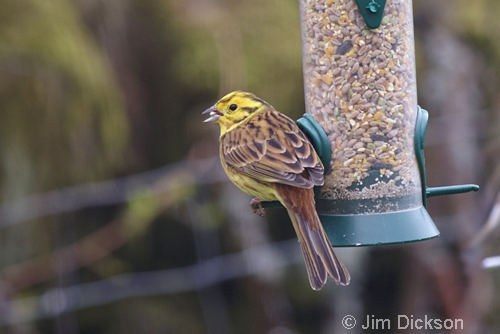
(372,12)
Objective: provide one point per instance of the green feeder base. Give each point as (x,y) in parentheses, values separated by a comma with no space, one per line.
(357,223)
(379,229)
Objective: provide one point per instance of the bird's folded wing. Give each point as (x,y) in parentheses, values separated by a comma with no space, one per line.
(271,148)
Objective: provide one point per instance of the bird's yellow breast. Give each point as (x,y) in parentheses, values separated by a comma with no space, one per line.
(264,191)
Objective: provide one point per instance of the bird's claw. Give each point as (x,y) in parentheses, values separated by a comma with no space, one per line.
(256,206)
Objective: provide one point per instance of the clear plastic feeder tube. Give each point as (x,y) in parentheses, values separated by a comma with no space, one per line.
(360,86)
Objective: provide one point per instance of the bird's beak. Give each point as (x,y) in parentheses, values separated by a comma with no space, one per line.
(214,114)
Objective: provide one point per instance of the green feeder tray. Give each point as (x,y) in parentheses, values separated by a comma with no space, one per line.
(358,222)
(379,228)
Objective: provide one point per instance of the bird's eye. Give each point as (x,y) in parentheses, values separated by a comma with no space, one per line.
(233,107)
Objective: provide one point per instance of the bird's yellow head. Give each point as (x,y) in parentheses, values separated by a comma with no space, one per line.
(234,108)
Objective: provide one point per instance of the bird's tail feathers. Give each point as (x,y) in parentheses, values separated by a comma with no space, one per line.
(318,252)
(319,255)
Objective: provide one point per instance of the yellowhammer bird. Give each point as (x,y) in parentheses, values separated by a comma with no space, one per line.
(266,155)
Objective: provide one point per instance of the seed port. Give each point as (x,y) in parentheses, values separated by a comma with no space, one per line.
(372,12)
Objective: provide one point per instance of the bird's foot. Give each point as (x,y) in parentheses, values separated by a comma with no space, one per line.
(256,206)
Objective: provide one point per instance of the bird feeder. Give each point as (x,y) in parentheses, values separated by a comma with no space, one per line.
(363,119)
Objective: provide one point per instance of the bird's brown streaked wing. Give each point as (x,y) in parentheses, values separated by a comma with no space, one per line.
(307,155)
(270,147)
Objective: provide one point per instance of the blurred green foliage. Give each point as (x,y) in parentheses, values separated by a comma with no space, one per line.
(63,119)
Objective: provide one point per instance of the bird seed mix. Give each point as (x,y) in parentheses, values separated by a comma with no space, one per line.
(360,86)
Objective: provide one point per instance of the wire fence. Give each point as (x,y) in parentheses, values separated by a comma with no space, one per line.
(252,261)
